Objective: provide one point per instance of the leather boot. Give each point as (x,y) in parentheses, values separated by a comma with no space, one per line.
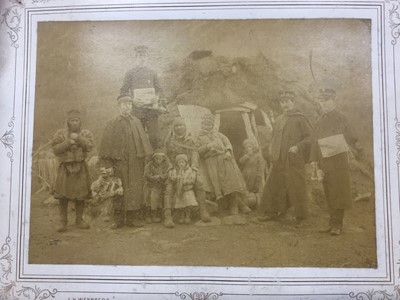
(168,222)
(187,211)
(154,217)
(243,208)
(129,218)
(137,219)
(79,206)
(233,205)
(148,215)
(181,215)
(201,200)
(63,209)
(118,219)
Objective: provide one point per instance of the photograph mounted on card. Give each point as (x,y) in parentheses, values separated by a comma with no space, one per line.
(176,147)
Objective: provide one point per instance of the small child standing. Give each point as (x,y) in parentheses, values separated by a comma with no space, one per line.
(185,198)
(253,168)
(155,174)
(107,191)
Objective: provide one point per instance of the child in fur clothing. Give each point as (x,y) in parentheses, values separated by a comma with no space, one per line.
(185,178)
(155,173)
(106,191)
(253,167)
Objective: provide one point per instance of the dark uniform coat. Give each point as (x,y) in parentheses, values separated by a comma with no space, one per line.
(140,78)
(286,185)
(125,145)
(73,180)
(336,168)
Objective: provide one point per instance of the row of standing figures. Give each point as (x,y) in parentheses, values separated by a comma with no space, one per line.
(142,183)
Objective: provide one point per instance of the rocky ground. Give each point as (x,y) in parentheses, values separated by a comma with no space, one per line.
(271,244)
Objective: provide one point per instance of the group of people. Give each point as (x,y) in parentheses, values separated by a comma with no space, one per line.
(146,181)
(326,145)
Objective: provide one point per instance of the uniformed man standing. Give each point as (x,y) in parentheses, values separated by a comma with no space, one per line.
(290,147)
(142,84)
(329,153)
(124,146)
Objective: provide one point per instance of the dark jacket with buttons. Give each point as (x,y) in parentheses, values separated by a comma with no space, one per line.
(336,168)
(141,78)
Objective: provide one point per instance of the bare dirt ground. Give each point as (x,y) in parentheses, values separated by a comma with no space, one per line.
(270,244)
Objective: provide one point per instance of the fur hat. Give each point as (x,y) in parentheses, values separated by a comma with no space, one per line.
(104,164)
(181,157)
(159,152)
(250,142)
(73,114)
(178,121)
(208,118)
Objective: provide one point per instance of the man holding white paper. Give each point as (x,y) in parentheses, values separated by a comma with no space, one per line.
(329,153)
(142,84)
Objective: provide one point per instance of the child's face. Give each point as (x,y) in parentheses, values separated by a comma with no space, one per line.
(103,172)
(181,163)
(158,159)
(248,149)
(110,171)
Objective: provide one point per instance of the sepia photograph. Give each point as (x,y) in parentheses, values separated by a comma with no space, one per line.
(227,143)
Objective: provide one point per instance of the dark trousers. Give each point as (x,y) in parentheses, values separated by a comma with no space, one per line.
(151,126)
(336,217)
(286,187)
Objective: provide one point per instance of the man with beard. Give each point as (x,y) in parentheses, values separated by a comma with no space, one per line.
(124,146)
(181,142)
(142,78)
(329,152)
(71,146)
(290,146)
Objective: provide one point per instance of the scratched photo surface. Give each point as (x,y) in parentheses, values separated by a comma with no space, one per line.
(204,143)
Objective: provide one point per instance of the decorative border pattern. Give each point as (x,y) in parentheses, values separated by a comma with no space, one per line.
(381,295)
(199,296)
(12,19)
(8,139)
(8,289)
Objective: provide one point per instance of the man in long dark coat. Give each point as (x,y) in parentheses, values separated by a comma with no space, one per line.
(142,77)
(71,146)
(181,142)
(286,185)
(125,145)
(335,165)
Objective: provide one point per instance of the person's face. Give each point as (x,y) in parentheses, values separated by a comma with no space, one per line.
(74,124)
(125,108)
(248,148)
(103,172)
(158,159)
(207,126)
(181,163)
(141,59)
(286,105)
(326,105)
(180,129)
(110,172)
